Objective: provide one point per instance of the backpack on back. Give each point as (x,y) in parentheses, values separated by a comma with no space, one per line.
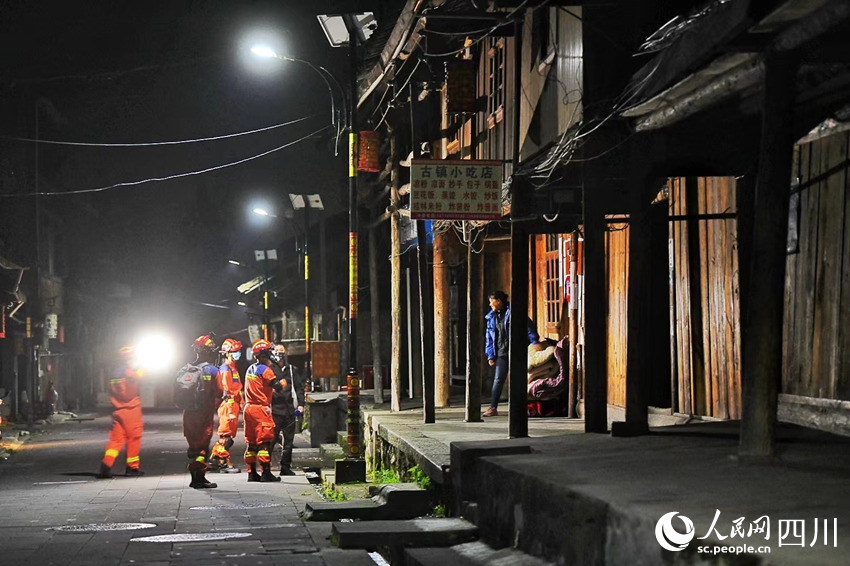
(189,389)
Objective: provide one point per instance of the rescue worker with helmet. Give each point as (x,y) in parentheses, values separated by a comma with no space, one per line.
(127,416)
(261,382)
(287,404)
(198,424)
(231,406)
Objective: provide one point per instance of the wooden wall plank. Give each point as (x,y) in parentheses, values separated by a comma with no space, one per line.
(683,275)
(842,386)
(792,268)
(733,311)
(675,400)
(808,245)
(617,242)
(830,226)
(705,386)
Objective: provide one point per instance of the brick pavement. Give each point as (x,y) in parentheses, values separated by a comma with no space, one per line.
(48,484)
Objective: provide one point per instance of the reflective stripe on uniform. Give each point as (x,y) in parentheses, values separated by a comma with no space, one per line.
(112,453)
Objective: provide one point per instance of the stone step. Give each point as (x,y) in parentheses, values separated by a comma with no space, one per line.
(394,501)
(330,453)
(340,557)
(398,535)
(342,440)
(470,554)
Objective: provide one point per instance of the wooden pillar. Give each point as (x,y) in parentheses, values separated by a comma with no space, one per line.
(425,323)
(518,357)
(395,279)
(762,326)
(595,309)
(573,327)
(700,398)
(474,333)
(639,336)
(442,347)
(375,314)
(520,207)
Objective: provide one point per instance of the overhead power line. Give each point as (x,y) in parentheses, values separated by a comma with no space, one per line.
(148,144)
(168,177)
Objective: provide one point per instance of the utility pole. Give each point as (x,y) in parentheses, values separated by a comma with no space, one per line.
(353,467)
(395,265)
(307,369)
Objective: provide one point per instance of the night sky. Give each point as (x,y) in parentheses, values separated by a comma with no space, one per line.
(151,72)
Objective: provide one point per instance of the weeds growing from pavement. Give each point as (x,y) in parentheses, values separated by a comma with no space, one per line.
(330,493)
(420,477)
(384,476)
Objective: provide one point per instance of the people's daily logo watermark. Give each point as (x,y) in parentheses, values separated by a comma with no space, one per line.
(792,532)
(671,539)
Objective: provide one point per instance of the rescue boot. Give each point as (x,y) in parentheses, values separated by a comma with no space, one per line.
(267,474)
(105,472)
(199,481)
(285,470)
(252,473)
(228,468)
(133,472)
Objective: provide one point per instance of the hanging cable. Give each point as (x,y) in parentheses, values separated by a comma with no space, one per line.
(175,176)
(148,144)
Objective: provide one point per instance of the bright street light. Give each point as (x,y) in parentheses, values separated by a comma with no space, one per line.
(264,51)
(156,352)
(263,212)
(241,303)
(234,262)
(268,53)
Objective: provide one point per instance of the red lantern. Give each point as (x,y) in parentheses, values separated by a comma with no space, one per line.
(370,144)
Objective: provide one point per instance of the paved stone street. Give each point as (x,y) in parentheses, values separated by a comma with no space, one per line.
(53,510)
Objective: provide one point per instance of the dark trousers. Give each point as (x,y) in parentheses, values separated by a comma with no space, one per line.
(284,434)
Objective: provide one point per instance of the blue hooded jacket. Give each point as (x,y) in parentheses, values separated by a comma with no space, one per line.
(490,334)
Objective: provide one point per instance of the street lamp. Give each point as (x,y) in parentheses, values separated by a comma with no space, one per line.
(269,53)
(263,212)
(265,256)
(306,202)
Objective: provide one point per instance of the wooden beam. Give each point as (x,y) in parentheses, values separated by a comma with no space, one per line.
(442,347)
(474,333)
(375,318)
(595,309)
(426,323)
(762,326)
(395,280)
(518,358)
(639,336)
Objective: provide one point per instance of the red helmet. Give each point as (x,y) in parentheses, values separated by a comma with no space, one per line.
(127,352)
(204,343)
(230,345)
(261,347)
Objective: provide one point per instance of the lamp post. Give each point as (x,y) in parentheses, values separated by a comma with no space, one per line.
(306,202)
(265,256)
(268,52)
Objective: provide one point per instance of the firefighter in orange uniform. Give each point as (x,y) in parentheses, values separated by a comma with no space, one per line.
(231,406)
(127,416)
(260,383)
(198,424)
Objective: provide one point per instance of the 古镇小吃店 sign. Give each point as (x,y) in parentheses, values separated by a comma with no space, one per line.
(455,190)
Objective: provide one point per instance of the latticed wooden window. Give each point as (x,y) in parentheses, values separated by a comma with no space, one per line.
(553,295)
(496,75)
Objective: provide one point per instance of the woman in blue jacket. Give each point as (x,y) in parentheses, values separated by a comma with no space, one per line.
(497,344)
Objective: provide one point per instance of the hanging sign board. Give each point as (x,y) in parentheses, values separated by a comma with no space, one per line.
(51,326)
(455,189)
